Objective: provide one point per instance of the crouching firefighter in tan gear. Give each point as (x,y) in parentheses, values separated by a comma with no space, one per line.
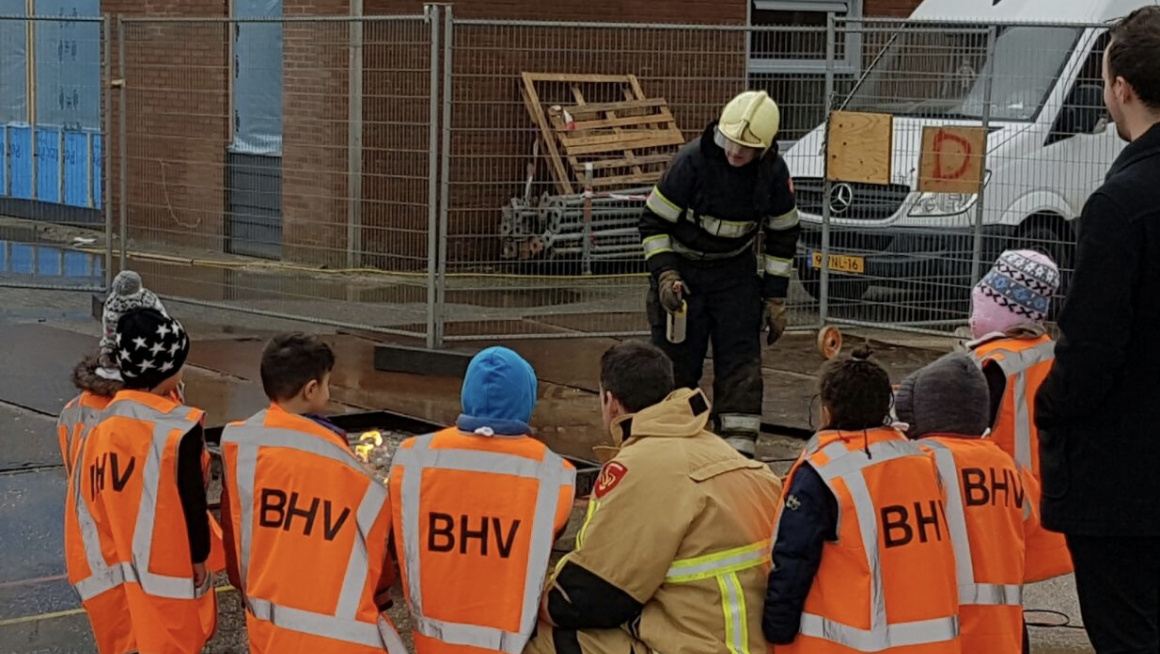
(698,231)
(674,552)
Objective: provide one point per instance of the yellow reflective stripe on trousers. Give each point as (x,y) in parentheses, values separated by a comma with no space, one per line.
(341,624)
(662,206)
(552,475)
(849,465)
(654,245)
(778,266)
(787,220)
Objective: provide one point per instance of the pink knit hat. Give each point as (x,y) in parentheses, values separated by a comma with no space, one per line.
(1017,290)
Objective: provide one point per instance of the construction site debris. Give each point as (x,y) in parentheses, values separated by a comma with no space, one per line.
(603,126)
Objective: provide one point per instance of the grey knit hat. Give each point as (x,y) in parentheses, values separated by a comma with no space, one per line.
(949,396)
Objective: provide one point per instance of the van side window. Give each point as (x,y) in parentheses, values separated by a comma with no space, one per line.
(1085,102)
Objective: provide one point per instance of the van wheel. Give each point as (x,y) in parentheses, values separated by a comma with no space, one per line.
(1053,236)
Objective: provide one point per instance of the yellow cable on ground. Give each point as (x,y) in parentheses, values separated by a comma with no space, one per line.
(282,266)
(38,617)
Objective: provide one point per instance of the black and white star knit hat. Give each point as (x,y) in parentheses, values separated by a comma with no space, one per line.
(151,347)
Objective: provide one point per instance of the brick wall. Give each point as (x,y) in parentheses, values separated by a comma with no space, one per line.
(492,133)
(315,87)
(890,8)
(176,122)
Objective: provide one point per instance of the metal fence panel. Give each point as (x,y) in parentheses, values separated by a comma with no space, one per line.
(533,250)
(421,189)
(53,188)
(340,219)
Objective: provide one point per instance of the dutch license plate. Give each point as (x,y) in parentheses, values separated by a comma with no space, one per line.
(843,263)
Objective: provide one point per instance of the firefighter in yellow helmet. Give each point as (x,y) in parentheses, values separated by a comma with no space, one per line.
(698,228)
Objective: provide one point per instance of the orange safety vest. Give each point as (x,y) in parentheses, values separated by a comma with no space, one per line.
(475,518)
(986,509)
(310,529)
(76,419)
(888,581)
(1026,363)
(128,557)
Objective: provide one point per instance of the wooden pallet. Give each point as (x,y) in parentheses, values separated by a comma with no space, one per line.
(623,140)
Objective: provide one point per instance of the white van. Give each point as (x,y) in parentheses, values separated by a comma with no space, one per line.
(1050,144)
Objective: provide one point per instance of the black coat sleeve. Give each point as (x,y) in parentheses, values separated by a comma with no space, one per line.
(997,385)
(781,231)
(582,599)
(1097,316)
(808,519)
(666,206)
(191,490)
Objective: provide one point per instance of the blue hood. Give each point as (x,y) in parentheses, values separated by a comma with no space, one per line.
(499,393)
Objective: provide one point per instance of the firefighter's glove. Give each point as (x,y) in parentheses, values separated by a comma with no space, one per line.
(672,291)
(776,318)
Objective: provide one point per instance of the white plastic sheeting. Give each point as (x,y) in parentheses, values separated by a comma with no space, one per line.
(13,63)
(68,65)
(258,79)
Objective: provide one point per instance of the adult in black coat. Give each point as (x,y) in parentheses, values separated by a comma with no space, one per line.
(1099,410)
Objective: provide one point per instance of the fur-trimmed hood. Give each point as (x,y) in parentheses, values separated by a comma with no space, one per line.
(85,378)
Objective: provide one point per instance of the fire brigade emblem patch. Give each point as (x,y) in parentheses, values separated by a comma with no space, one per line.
(610,476)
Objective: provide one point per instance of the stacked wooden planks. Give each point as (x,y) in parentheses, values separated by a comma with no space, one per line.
(623,142)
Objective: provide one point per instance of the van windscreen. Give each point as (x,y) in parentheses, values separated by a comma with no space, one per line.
(941,74)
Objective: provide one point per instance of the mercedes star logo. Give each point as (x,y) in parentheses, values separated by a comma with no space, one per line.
(841,197)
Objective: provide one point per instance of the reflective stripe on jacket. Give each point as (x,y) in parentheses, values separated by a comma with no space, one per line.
(128,556)
(475,518)
(76,420)
(309,528)
(891,533)
(988,512)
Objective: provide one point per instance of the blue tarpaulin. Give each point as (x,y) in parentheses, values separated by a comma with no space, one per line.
(258,79)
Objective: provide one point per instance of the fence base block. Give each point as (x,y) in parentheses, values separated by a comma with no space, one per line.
(420,361)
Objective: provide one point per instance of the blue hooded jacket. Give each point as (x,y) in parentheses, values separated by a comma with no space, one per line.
(499,394)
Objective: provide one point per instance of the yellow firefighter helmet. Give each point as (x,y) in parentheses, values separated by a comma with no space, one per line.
(750,119)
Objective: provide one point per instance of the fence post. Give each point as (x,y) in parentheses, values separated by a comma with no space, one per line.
(444,176)
(106,151)
(354,146)
(827,187)
(988,84)
(432,13)
(122,144)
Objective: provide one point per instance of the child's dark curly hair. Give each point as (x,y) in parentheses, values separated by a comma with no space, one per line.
(857,391)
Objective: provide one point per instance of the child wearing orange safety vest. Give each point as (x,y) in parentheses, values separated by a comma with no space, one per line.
(138,531)
(306,527)
(989,510)
(1012,346)
(862,555)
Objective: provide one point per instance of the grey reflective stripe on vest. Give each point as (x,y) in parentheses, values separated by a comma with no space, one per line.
(105,577)
(1015,365)
(689,253)
(849,465)
(342,624)
(552,474)
(970,591)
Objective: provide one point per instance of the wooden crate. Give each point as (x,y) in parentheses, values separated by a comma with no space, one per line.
(603,126)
